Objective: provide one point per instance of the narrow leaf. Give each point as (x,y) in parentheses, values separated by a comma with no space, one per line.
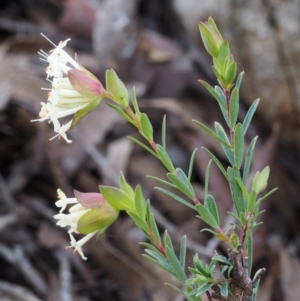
(249,115)
(236,191)
(213,93)
(234,106)
(243,188)
(140,203)
(224,289)
(153,227)
(125,187)
(207,179)
(138,220)
(122,113)
(165,159)
(134,102)
(222,134)
(183,251)
(238,145)
(206,216)
(218,163)
(250,252)
(210,204)
(176,197)
(175,264)
(248,160)
(239,80)
(211,133)
(191,164)
(224,111)
(143,146)
(147,129)
(164,266)
(162,181)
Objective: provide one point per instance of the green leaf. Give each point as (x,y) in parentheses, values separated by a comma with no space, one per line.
(243,188)
(135,104)
(239,80)
(153,227)
(163,132)
(234,106)
(200,266)
(211,133)
(208,230)
(248,160)
(222,259)
(251,202)
(162,181)
(202,289)
(238,145)
(122,113)
(255,291)
(125,187)
(210,204)
(191,164)
(176,197)
(84,111)
(224,111)
(250,252)
(236,191)
(224,52)
(249,115)
(163,265)
(182,256)
(116,87)
(143,146)
(230,73)
(222,134)
(207,179)
(140,203)
(224,289)
(182,183)
(117,198)
(206,216)
(138,220)
(175,264)
(213,93)
(268,194)
(164,157)
(218,163)
(147,129)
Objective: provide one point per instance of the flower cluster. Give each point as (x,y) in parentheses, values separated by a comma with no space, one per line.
(73,88)
(89,214)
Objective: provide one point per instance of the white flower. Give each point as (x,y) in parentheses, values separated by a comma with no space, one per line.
(77,245)
(89,214)
(64,201)
(63,99)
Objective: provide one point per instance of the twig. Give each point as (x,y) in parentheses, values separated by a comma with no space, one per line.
(17,258)
(17,291)
(65,276)
(6,195)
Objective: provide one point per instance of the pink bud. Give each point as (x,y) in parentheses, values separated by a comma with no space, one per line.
(90,200)
(85,82)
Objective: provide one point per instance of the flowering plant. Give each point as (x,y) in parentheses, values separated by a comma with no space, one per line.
(75,91)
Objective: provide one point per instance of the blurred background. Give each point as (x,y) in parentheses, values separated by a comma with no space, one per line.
(154,46)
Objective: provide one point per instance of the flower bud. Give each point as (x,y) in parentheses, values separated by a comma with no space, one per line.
(85,83)
(100,216)
(260,180)
(211,37)
(115,86)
